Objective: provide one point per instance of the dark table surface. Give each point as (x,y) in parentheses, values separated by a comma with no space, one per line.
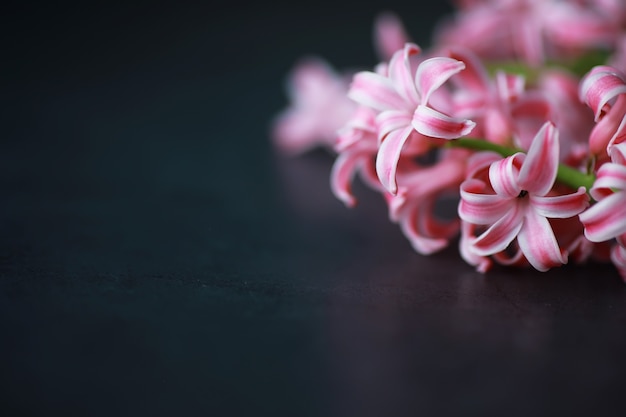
(159,258)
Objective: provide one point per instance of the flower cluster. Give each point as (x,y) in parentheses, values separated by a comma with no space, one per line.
(517,110)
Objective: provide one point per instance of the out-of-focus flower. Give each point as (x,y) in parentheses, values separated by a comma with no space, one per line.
(530,30)
(573,119)
(318,107)
(504,111)
(517,204)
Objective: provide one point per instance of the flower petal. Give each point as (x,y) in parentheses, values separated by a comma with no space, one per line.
(342,174)
(391,120)
(433,72)
(422,244)
(400,73)
(388,156)
(610,177)
(479,208)
(503,175)
(562,206)
(375,91)
(432,123)
(537,242)
(599,86)
(606,219)
(538,171)
(482,263)
(425,231)
(500,234)
(618,153)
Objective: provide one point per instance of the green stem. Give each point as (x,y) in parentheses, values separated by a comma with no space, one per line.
(565,174)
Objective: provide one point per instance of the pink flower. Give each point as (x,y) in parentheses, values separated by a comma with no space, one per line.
(520,206)
(606,219)
(603,89)
(402,101)
(319,106)
(478,167)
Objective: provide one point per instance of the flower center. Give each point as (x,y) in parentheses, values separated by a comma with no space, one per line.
(522,194)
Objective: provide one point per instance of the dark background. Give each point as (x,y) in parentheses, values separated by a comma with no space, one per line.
(159,258)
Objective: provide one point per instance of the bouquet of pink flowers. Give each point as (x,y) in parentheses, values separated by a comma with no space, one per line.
(517,110)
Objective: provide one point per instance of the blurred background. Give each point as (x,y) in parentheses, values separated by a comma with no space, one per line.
(159,257)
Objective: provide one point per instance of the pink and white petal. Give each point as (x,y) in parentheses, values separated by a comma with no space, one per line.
(605,130)
(389,35)
(342,174)
(375,91)
(479,208)
(617,153)
(503,175)
(599,86)
(605,219)
(562,206)
(392,120)
(482,263)
(538,171)
(537,242)
(620,133)
(430,122)
(401,75)
(431,226)
(610,177)
(433,72)
(424,245)
(500,234)
(388,156)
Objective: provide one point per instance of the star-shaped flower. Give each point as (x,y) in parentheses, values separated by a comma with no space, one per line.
(517,204)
